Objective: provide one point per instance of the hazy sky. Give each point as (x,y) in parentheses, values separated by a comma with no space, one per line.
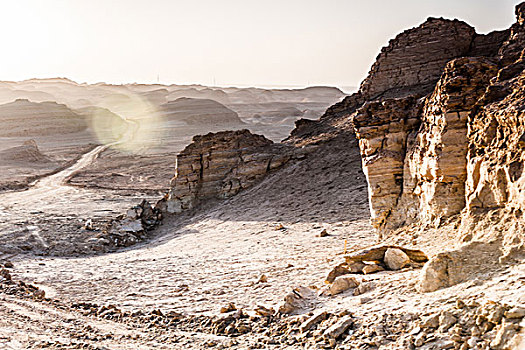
(231,42)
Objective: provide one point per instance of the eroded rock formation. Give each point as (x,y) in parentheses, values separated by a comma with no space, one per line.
(412,117)
(440,121)
(219,165)
(414,60)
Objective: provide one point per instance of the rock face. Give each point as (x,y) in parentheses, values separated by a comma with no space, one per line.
(415,58)
(440,123)
(383,128)
(418,140)
(219,165)
(436,161)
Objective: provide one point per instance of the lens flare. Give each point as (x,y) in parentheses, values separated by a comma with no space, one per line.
(129,123)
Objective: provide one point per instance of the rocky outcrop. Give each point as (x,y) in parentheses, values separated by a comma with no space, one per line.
(414,146)
(436,162)
(440,124)
(415,59)
(219,165)
(512,48)
(414,155)
(382,128)
(409,66)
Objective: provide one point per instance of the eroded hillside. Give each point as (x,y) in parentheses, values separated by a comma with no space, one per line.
(274,245)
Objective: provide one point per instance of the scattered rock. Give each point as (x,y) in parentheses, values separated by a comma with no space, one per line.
(515,312)
(419,340)
(446,320)
(371,268)
(298,300)
(263,279)
(132,227)
(317,317)
(338,328)
(264,311)
(364,287)
(431,321)
(505,333)
(493,311)
(5,275)
(228,308)
(89,225)
(364,300)
(323,233)
(396,259)
(342,283)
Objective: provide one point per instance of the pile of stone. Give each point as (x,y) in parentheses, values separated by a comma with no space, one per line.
(132,227)
(376,259)
(19,288)
(471,325)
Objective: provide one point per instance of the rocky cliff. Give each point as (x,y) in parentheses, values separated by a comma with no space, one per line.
(421,152)
(440,126)
(440,123)
(415,59)
(219,165)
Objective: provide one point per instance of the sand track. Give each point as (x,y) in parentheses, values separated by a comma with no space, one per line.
(53,209)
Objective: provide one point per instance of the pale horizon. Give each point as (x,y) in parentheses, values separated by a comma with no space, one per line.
(234,43)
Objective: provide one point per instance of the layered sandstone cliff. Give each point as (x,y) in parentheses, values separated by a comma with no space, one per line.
(415,59)
(219,165)
(411,118)
(440,123)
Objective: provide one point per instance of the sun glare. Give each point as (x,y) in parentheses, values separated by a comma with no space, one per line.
(135,126)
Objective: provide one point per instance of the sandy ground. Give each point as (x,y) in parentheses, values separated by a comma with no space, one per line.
(199,261)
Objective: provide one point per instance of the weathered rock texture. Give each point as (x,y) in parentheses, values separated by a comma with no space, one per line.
(219,165)
(413,127)
(434,166)
(416,57)
(383,128)
(440,121)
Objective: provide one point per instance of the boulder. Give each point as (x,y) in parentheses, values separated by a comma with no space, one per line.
(396,259)
(435,273)
(338,328)
(298,300)
(337,271)
(515,312)
(317,317)
(342,284)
